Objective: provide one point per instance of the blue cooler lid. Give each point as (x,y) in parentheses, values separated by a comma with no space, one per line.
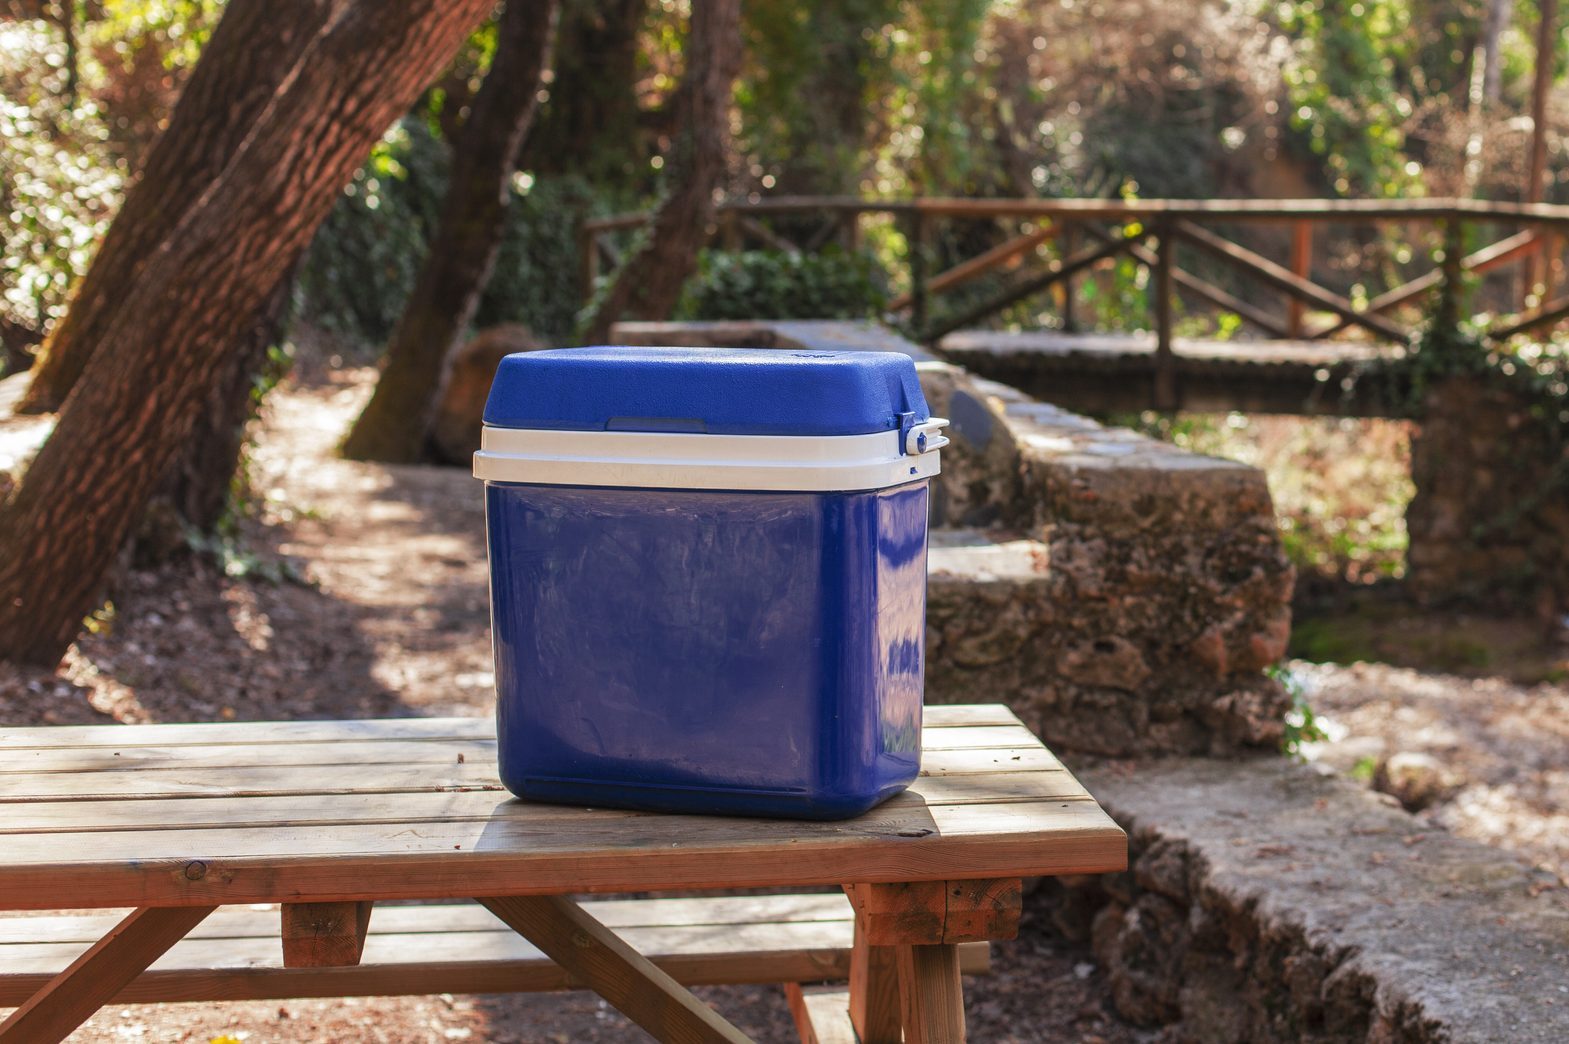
(715,391)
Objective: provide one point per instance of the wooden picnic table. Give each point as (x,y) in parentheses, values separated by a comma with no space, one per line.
(325,818)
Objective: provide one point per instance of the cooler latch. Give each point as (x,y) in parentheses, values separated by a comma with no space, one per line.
(925,436)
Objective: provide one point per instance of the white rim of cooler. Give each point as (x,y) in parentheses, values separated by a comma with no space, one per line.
(671,460)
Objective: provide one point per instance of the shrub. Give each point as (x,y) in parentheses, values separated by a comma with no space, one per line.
(777,285)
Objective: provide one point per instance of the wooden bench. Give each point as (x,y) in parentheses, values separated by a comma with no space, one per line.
(237,954)
(189,825)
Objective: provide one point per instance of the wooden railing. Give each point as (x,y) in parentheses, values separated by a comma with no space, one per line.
(1085,233)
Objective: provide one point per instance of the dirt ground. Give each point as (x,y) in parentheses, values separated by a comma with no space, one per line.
(389,618)
(1492,755)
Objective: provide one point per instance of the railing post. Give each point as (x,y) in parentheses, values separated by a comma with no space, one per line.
(1448,317)
(587,262)
(1165,362)
(1301,266)
(1069,238)
(915,239)
(1549,255)
(729,231)
(850,231)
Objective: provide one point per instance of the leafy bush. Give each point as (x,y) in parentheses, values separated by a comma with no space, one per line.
(535,281)
(366,255)
(758,284)
(364,260)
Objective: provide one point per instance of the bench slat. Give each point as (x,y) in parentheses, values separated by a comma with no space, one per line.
(446,949)
(242,922)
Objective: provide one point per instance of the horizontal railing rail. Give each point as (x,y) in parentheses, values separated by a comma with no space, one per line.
(1088,233)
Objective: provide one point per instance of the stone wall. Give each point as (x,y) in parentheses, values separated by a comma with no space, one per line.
(1139,599)
(1490,519)
(1268,902)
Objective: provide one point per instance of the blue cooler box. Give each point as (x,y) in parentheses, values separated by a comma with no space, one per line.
(708,576)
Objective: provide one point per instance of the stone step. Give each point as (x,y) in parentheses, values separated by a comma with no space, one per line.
(1268,901)
(1098,654)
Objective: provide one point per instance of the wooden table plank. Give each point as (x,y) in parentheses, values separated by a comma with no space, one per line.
(154,780)
(210,817)
(353,758)
(524,830)
(66,816)
(54,737)
(1091,843)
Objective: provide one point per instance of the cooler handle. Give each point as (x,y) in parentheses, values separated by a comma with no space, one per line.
(926,436)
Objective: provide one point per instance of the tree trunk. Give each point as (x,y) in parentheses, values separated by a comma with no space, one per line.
(136,403)
(1498,12)
(649,284)
(198,482)
(589,127)
(457,264)
(253,52)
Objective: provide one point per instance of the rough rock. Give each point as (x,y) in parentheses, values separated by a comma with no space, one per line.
(1490,519)
(454,431)
(1135,598)
(1414,779)
(1267,901)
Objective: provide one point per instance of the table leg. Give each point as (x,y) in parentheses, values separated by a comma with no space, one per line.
(598,958)
(931,995)
(874,990)
(93,979)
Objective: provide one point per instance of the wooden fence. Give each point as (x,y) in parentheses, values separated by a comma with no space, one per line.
(1086,233)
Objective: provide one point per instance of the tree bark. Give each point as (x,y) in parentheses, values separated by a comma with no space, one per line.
(590,125)
(1498,12)
(649,284)
(198,482)
(164,349)
(253,52)
(395,423)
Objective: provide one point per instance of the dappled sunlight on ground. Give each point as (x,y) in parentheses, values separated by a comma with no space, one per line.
(1500,750)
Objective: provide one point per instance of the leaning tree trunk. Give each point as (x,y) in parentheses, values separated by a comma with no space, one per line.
(395,423)
(649,284)
(123,423)
(253,52)
(197,483)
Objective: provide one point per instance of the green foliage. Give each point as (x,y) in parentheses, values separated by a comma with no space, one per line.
(817,69)
(1345,97)
(535,280)
(364,260)
(59,182)
(777,285)
(239,562)
(1301,726)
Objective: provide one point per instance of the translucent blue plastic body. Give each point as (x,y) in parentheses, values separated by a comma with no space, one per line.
(724,652)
